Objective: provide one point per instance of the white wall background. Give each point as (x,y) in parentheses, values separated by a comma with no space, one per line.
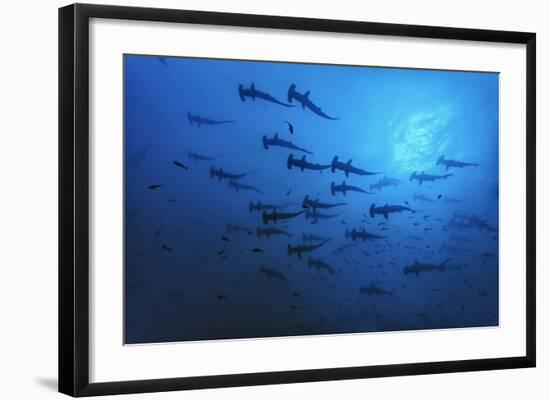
(28,201)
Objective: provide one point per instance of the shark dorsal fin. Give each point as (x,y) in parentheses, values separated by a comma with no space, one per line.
(349,162)
(306,95)
(252,86)
(276,135)
(344,183)
(304,158)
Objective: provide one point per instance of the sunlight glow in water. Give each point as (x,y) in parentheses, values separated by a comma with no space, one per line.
(419,138)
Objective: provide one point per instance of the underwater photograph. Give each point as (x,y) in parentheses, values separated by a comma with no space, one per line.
(271,199)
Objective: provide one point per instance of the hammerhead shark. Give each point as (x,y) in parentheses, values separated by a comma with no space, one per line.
(418,267)
(254,93)
(312,238)
(480,223)
(319,264)
(374,290)
(448,163)
(273,273)
(197,157)
(384,182)
(300,249)
(276,216)
(269,231)
(427,177)
(303,98)
(342,248)
(422,197)
(363,235)
(302,164)
(387,209)
(347,168)
(261,206)
(315,215)
(234,228)
(205,121)
(447,199)
(230,176)
(276,141)
(141,155)
(243,187)
(315,204)
(346,188)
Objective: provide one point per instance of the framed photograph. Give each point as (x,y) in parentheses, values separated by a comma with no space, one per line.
(250,199)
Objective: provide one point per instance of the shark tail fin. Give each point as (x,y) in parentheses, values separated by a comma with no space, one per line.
(258,232)
(289,250)
(264,217)
(264,142)
(447,175)
(290,94)
(332,191)
(413,176)
(212,170)
(241,92)
(333,164)
(440,160)
(371,210)
(189,117)
(251,206)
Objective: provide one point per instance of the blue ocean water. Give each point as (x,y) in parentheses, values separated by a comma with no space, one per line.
(199,263)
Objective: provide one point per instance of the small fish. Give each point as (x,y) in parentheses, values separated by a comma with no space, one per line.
(439,196)
(221,296)
(167,248)
(158,232)
(290,127)
(407,203)
(222,251)
(155,186)
(180,165)
(289,191)
(225,238)
(257,250)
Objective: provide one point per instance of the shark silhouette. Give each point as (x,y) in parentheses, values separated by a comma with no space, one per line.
(254,93)
(306,102)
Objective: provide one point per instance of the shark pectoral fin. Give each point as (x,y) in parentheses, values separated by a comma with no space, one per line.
(299,255)
(386,216)
(417,274)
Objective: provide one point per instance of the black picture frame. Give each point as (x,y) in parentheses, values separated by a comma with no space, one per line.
(74,198)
